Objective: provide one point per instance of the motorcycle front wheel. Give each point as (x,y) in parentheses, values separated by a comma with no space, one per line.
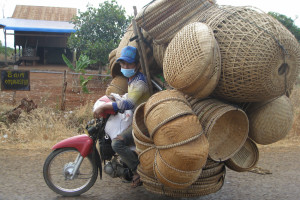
(59,176)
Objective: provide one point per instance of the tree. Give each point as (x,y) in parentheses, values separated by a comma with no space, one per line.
(288,23)
(99,30)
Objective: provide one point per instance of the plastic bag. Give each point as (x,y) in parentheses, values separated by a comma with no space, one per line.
(116,124)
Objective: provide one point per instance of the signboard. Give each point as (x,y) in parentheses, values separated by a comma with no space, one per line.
(15,80)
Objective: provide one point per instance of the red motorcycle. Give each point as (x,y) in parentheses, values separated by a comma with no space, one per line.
(72,167)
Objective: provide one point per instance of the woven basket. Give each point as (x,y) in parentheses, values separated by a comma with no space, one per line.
(112,54)
(225,126)
(118,85)
(139,130)
(270,121)
(159,53)
(180,166)
(146,158)
(164,107)
(254,49)
(192,61)
(245,159)
(163,19)
(201,187)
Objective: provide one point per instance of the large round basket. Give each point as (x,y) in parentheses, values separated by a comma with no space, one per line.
(270,121)
(163,19)
(163,107)
(245,159)
(192,61)
(179,165)
(139,130)
(146,159)
(260,57)
(225,126)
(118,85)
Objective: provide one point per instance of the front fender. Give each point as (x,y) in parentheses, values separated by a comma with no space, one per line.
(82,143)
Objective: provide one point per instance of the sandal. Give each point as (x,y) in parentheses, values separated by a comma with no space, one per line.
(136,181)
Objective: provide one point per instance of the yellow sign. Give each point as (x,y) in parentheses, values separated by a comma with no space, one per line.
(15,80)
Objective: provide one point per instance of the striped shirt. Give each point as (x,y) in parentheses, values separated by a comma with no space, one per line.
(138,92)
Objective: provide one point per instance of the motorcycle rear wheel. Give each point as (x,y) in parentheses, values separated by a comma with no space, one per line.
(58,168)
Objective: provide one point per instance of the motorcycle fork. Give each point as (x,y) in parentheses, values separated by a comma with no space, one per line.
(77,163)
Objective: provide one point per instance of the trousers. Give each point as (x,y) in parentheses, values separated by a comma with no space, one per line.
(122,148)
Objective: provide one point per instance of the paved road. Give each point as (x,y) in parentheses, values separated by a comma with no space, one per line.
(21,179)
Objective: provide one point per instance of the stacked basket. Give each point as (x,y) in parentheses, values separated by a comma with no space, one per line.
(230,69)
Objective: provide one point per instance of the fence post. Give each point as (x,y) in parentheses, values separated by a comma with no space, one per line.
(63,95)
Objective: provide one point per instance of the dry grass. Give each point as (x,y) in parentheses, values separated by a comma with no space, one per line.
(43,127)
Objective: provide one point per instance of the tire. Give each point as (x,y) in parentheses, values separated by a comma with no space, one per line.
(58,166)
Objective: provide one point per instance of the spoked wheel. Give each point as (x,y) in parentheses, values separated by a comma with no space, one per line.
(58,172)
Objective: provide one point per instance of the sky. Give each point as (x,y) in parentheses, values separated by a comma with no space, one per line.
(290,8)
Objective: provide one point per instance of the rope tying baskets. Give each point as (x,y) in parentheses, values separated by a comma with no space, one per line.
(260,57)
(202,186)
(245,159)
(118,85)
(225,126)
(270,121)
(192,61)
(182,149)
(162,19)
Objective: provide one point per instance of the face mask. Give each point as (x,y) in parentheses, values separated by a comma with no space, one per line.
(128,72)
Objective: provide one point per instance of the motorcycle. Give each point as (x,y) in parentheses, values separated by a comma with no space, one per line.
(72,167)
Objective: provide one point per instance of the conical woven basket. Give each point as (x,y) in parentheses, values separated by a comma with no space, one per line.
(118,85)
(163,19)
(245,159)
(192,61)
(225,126)
(260,57)
(270,121)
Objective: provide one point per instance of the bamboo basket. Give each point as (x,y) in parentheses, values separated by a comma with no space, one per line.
(164,107)
(146,159)
(179,166)
(163,19)
(270,121)
(201,187)
(245,159)
(225,126)
(192,61)
(139,130)
(118,85)
(260,57)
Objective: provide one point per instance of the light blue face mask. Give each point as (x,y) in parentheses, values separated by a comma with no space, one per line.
(128,72)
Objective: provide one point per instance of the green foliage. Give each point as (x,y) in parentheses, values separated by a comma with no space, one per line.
(288,23)
(99,30)
(81,64)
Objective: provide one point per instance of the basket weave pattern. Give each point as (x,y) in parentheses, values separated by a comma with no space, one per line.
(251,55)
(270,121)
(191,60)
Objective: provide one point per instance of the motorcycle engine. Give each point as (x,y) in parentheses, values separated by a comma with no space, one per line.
(114,169)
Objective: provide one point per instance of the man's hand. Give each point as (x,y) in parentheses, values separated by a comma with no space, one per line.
(100,111)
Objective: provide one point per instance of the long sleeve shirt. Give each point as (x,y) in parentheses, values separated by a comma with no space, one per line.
(138,92)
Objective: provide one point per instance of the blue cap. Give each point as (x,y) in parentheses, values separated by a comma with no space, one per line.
(128,54)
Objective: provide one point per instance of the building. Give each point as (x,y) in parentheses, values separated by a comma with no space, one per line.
(41,33)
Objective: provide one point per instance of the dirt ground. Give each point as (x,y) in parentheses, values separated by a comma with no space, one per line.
(46,88)
(21,170)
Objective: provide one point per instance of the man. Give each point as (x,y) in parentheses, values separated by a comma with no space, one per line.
(138,92)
